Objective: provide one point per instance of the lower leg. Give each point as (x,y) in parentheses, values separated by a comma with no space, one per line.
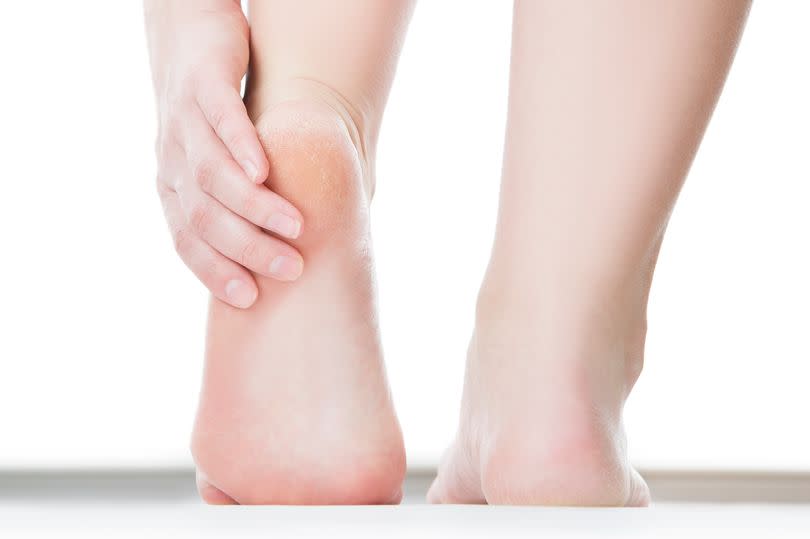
(295,406)
(608,103)
(342,52)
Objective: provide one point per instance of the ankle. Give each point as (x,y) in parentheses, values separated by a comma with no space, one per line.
(360,124)
(574,333)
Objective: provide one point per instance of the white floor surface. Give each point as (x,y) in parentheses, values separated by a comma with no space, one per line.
(165,505)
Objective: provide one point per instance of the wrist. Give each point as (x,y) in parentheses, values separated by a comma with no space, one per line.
(205,40)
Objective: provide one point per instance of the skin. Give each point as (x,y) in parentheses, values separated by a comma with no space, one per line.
(211,165)
(608,104)
(289,414)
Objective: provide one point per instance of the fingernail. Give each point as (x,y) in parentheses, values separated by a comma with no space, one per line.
(284,225)
(239,293)
(286,268)
(251,170)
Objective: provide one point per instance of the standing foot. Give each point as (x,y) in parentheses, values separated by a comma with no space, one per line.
(541,413)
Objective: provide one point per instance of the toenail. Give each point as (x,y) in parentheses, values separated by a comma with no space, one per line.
(239,293)
(284,225)
(286,268)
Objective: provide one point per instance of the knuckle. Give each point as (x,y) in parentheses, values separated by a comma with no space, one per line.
(249,252)
(204,173)
(200,218)
(163,185)
(218,117)
(239,139)
(207,271)
(252,206)
(182,241)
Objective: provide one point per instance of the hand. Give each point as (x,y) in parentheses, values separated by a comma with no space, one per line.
(211,165)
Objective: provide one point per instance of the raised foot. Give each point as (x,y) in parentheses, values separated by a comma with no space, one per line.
(295,407)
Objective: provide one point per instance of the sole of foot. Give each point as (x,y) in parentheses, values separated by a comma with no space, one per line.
(295,406)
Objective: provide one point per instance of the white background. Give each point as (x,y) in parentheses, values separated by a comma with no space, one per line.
(102,326)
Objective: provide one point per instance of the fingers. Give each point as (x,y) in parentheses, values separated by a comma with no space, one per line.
(219,176)
(238,239)
(224,110)
(226,279)
(205,152)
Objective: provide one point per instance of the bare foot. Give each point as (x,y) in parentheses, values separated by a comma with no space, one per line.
(295,407)
(541,412)
(592,166)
